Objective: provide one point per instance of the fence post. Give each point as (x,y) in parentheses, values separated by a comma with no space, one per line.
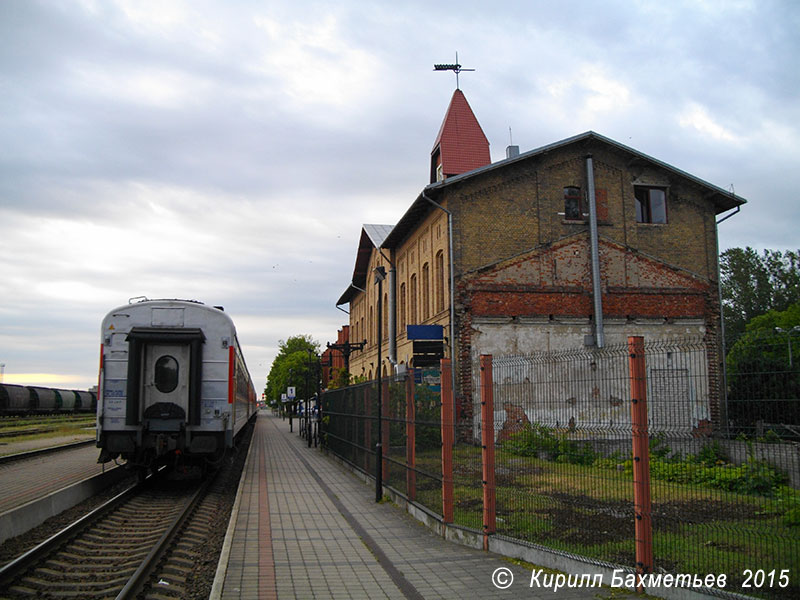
(641,456)
(411,442)
(448,440)
(487,442)
(366,424)
(384,429)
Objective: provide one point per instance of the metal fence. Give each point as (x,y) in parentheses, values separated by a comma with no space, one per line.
(631,456)
(715,492)
(409,430)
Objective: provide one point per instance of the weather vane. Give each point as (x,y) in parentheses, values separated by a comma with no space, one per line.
(456,68)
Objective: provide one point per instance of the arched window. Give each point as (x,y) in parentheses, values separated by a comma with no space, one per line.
(402,307)
(371,325)
(385,317)
(426,292)
(413,300)
(439,281)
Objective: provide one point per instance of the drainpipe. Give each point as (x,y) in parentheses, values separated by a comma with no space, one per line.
(599,337)
(452,293)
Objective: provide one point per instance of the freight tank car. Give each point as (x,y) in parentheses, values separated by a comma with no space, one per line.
(173,384)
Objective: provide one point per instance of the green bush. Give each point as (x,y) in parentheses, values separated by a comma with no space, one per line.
(753,477)
(545,443)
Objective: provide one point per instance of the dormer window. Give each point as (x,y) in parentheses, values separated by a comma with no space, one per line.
(651,204)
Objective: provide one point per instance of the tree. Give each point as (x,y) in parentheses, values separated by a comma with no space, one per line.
(753,284)
(764,370)
(297,364)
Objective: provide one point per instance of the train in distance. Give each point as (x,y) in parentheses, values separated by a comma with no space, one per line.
(18,400)
(173,386)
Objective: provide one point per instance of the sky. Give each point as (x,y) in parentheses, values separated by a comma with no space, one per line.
(229,152)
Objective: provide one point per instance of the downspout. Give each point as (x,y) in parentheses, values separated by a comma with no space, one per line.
(452,294)
(392,333)
(599,336)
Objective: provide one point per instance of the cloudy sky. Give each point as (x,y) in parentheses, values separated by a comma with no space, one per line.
(230,151)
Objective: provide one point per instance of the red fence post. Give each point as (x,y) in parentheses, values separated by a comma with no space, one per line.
(411,442)
(385,428)
(448,440)
(487,441)
(641,456)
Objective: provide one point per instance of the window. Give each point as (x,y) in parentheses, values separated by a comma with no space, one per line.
(385,310)
(166,374)
(574,204)
(413,300)
(402,307)
(426,292)
(439,281)
(651,204)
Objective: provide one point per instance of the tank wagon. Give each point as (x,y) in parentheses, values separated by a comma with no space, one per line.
(173,384)
(30,400)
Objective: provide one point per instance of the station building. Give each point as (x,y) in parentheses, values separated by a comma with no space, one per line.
(579,243)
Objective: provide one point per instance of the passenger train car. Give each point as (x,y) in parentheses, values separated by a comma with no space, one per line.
(173,384)
(32,400)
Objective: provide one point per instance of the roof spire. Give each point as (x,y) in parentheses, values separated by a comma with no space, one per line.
(456,68)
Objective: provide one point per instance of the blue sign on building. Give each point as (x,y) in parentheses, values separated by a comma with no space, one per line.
(425,332)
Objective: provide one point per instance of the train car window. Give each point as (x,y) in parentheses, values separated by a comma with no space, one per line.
(166,376)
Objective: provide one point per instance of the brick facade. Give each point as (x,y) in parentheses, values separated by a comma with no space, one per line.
(522,269)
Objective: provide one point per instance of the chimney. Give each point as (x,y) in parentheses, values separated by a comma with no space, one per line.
(512,151)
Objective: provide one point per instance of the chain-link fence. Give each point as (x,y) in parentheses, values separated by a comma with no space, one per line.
(409,429)
(718,490)
(634,456)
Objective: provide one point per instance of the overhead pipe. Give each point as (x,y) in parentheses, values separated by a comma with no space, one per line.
(599,336)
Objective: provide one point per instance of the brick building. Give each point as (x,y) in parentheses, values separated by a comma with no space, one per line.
(535,265)
(333,359)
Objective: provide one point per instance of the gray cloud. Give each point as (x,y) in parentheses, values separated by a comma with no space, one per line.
(230,152)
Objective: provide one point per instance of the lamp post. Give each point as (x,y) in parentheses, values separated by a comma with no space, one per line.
(291,401)
(380,275)
(788,333)
(308,402)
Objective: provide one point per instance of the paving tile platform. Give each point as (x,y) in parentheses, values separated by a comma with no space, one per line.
(305,527)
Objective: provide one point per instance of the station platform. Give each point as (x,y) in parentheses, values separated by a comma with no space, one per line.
(305,527)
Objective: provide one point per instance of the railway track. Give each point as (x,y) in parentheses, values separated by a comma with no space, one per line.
(140,540)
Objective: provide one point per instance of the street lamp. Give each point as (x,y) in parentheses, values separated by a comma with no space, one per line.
(788,333)
(291,401)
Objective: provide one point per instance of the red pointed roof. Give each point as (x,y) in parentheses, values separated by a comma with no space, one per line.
(461,143)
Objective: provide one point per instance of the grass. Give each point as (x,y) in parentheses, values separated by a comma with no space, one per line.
(20,429)
(588,511)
